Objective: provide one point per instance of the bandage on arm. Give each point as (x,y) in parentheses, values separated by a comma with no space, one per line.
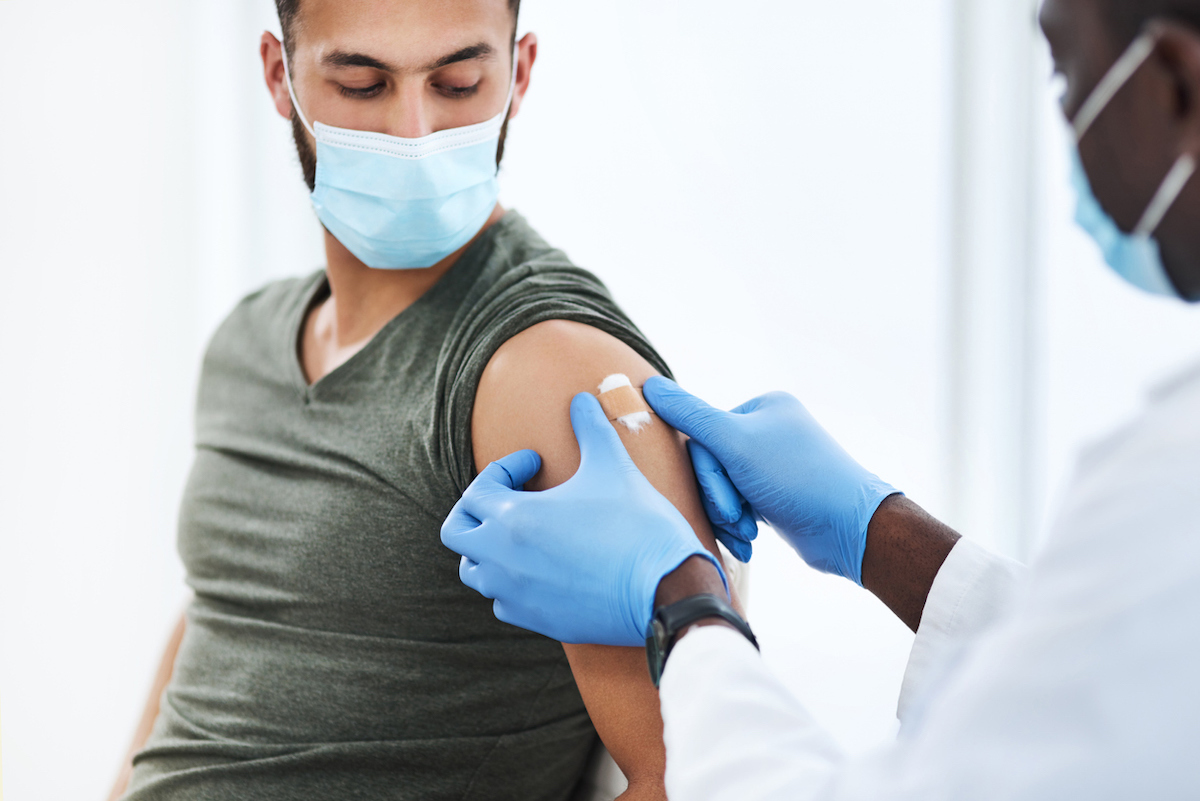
(623,403)
(523,401)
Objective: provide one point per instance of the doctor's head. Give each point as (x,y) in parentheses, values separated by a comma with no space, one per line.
(406,68)
(1132,70)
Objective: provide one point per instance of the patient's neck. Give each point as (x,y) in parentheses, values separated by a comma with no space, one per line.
(362,301)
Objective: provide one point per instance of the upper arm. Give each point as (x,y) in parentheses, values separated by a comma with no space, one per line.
(523,401)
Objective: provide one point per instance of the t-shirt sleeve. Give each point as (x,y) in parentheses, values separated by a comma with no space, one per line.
(525,296)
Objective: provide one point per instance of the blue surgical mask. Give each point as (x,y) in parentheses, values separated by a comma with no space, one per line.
(405,203)
(1136,257)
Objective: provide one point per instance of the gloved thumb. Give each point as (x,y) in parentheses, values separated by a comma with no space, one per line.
(683,411)
(599,443)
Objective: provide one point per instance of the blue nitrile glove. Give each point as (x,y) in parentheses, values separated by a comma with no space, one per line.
(770,459)
(580,563)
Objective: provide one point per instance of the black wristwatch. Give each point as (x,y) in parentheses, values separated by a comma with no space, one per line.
(668,621)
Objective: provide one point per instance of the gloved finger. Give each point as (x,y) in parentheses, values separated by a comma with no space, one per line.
(683,411)
(470,542)
(599,443)
(521,467)
(714,516)
(746,528)
(740,549)
(722,501)
(457,526)
(511,472)
(474,576)
(499,479)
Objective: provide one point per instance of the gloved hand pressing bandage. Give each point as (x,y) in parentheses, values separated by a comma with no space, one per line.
(770,459)
(581,562)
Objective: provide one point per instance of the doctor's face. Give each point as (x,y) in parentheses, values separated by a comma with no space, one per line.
(1149,124)
(1132,145)
(406,68)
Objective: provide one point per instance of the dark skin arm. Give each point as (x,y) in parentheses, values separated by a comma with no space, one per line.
(906,547)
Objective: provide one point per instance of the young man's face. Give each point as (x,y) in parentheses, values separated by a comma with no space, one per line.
(406,68)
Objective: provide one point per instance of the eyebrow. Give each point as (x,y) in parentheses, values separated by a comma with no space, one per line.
(473,52)
(340,58)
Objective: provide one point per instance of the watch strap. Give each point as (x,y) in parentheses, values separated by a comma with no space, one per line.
(670,620)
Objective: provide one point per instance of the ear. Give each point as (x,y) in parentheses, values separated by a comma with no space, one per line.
(1179,53)
(272,58)
(527,50)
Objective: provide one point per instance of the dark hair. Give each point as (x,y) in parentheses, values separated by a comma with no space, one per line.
(288,9)
(1127,18)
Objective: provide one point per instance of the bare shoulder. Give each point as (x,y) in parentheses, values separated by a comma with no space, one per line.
(562,352)
(524,395)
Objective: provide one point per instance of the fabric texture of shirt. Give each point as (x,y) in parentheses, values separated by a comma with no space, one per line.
(1075,680)
(331,651)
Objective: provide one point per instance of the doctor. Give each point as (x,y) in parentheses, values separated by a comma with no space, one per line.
(1076,678)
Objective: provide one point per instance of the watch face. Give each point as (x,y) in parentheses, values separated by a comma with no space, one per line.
(656,645)
(660,635)
(670,620)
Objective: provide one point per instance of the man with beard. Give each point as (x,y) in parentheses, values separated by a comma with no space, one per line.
(330,650)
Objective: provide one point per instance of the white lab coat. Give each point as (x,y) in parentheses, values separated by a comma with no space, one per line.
(1077,680)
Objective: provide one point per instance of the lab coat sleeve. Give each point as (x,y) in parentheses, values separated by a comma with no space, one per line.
(972,590)
(732,730)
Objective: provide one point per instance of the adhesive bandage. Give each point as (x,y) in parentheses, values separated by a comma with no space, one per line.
(623,403)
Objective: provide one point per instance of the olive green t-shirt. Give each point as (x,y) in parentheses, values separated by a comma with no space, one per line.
(331,651)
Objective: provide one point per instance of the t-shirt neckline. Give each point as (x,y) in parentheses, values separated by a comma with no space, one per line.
(471,259)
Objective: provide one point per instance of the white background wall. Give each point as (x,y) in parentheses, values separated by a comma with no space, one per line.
(767,186)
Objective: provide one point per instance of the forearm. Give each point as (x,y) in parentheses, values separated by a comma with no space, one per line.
(649,790)
(906,547)
(623,705)
(150,712)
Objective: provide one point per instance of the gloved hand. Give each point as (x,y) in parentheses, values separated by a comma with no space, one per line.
(580,563)
(770,459)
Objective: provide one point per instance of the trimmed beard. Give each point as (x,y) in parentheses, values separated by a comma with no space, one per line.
(308,156)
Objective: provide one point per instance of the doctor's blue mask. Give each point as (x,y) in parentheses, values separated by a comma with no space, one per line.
(1136,257)
(400,203)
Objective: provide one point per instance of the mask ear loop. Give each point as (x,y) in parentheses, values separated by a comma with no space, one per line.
(292,92)
(1172,187)
(512,83)
(1120,73)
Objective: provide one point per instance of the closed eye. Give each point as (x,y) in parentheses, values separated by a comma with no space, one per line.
(362,94)
(457,92)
